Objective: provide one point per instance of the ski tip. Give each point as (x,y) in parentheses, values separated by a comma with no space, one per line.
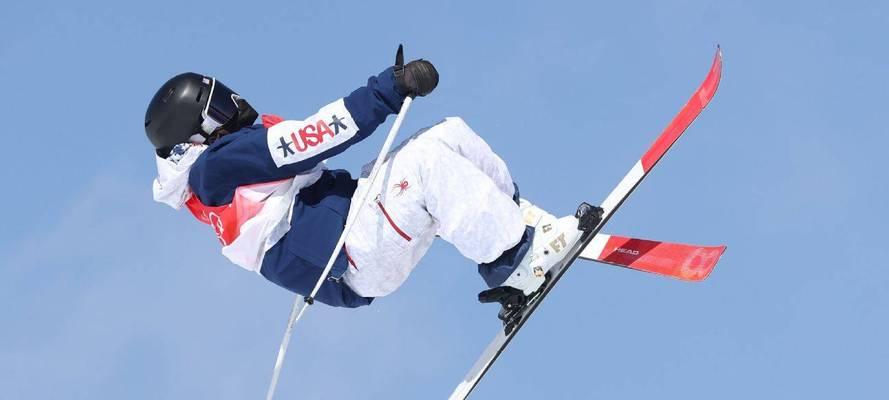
(705,263)
(708,88)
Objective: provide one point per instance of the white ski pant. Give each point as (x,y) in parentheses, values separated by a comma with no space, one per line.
(445,181)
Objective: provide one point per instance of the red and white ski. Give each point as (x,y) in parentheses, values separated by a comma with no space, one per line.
(517,318)
(676,260)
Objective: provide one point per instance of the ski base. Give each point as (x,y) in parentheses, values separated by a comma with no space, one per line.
(676,260)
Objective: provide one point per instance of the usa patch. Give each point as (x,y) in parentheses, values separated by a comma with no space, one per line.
(294,141)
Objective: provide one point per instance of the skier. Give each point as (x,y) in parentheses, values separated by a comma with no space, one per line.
(278,211)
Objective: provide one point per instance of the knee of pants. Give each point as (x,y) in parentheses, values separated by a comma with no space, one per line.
(452,131)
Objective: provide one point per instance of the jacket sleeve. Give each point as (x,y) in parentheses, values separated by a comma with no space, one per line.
(258,154)
(299,276)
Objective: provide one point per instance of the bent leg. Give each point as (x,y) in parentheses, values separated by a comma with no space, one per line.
(428,187)
(456,135)
(474,213)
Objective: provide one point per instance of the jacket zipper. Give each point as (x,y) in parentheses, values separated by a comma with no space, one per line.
(349,258)
(398,230)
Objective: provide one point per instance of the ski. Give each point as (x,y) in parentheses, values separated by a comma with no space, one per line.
(676,260)
(514,319)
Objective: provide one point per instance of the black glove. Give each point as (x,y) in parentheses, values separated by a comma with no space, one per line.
(417,78)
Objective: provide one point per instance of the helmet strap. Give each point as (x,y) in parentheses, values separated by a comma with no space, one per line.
(199,138)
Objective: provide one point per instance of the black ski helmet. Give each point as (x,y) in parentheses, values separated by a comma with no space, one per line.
(190,104)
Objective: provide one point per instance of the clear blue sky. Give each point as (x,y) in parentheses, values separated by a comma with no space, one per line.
(105,294)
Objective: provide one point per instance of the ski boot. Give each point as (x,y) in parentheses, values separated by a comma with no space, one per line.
(553,241)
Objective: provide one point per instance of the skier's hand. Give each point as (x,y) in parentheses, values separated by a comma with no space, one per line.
(417,78)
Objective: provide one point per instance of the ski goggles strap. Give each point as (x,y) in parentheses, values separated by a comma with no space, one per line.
(222,106)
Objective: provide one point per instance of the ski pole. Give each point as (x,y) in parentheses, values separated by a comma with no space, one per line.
(300,304)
